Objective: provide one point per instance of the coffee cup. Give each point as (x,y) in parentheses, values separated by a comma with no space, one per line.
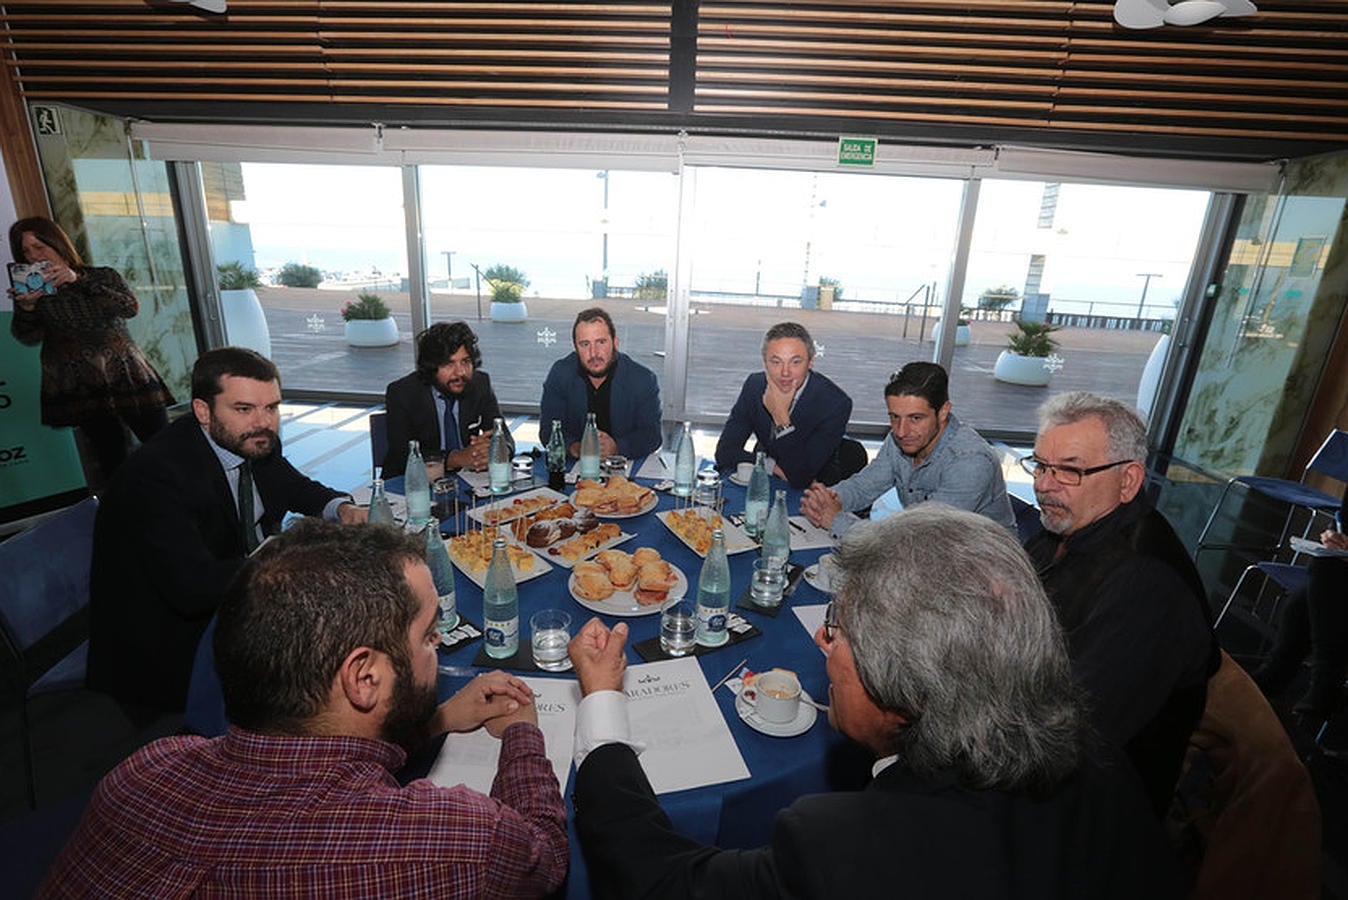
(774,695)
(743,471)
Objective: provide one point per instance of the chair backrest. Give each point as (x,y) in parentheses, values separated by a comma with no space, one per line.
(1027,518)
(1332,457)
(378,438)
(44,586)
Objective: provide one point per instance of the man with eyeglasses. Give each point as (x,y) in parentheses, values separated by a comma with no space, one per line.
(985,782)
(928,455)
(1127,593)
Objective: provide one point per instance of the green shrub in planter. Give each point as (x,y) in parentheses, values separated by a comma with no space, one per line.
(235,276)
(367,305)
(294,274)
(1032,339)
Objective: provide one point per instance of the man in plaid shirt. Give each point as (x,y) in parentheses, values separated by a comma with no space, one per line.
(326,651)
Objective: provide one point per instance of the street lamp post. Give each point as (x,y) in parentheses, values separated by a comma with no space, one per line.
(1146,284)
(449,268)
(603,271)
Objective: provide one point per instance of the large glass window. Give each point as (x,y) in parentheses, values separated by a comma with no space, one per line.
(318,237)
(571,238)
(1104,265)
(859,260)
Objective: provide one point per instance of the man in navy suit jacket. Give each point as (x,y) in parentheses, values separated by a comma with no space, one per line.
(622,393)
(169,533)
(985,783)
(448,375)
(796,415)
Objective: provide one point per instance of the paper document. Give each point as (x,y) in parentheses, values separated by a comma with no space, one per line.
(805,536)
(673,713)
(470,759)
(812,617)
(655,467)
(397,502)
(1315,548)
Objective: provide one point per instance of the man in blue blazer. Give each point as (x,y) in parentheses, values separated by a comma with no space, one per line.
(796,415)
(447,404)
(171,529)
(986,781)
(622,393)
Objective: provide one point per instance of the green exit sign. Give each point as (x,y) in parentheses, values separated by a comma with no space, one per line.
(856,151)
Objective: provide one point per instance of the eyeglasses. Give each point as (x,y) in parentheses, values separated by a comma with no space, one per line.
(831,624)
(1067,476)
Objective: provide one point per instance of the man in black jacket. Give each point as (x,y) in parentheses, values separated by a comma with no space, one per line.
(173,527)
(945,661)
(447,404)
(1125,589)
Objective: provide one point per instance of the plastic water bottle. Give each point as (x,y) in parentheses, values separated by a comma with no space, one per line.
(442,573)
(557,457)
(416,487)
(498,458)
(713,594)
(500,604)
(381,513)
(776,532)
(589,449)
(685,460)
(756,497)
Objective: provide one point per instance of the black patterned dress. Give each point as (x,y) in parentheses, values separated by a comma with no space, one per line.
(91,368)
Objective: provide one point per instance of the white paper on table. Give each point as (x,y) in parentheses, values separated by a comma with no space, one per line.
(655,467)
(805,536)
(812,617)
(672,712)
(475,480)
(1315,548)
(397,502)
(470,759)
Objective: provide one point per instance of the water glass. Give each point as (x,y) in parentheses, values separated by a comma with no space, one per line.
(769,580)
(678,627)
(550,632)
(444,504)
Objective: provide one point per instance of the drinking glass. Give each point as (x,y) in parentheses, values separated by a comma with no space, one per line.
(678,627)
(444,505)
(550,632)
(769,580)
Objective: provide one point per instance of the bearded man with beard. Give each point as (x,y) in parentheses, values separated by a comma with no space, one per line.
(173,527)
(595,378)
(326,648)
(1125,590)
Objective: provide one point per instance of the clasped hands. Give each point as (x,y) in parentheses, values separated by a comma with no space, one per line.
(474,456)
(494,699)
(820,504)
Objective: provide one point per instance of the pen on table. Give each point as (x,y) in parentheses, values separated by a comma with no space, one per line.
(728,675)
(794,525)
(661,457)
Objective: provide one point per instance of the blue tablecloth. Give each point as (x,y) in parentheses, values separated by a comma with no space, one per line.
(737,814)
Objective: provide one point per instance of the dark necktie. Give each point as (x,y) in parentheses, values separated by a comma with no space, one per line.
(246,517)
(452,442)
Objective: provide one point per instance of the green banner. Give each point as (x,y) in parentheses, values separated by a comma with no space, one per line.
(35,461)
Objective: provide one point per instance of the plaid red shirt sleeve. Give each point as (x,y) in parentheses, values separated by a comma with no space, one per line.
(257,815)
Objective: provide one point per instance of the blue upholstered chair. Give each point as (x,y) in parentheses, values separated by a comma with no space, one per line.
(378,439)
(44,613)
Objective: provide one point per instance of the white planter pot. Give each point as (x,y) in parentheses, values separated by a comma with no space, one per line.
(1151,376)
(509,312)
(245,325)
(1016,369)
(962,335)
(372,332)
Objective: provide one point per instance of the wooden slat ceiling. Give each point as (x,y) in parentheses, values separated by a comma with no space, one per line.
(1046,72)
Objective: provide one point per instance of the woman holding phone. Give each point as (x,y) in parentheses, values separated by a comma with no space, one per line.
(93,374)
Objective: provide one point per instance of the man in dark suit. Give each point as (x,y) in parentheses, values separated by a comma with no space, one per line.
(447,404)
(796,415)
(174,525)
(985,783)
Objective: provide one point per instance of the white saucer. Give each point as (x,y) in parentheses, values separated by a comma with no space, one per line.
(820,577)
(805,716)
(734,479)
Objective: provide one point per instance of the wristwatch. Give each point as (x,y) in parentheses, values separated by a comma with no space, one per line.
(779,430)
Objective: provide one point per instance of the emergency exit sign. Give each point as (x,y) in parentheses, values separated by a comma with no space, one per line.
(856,151)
